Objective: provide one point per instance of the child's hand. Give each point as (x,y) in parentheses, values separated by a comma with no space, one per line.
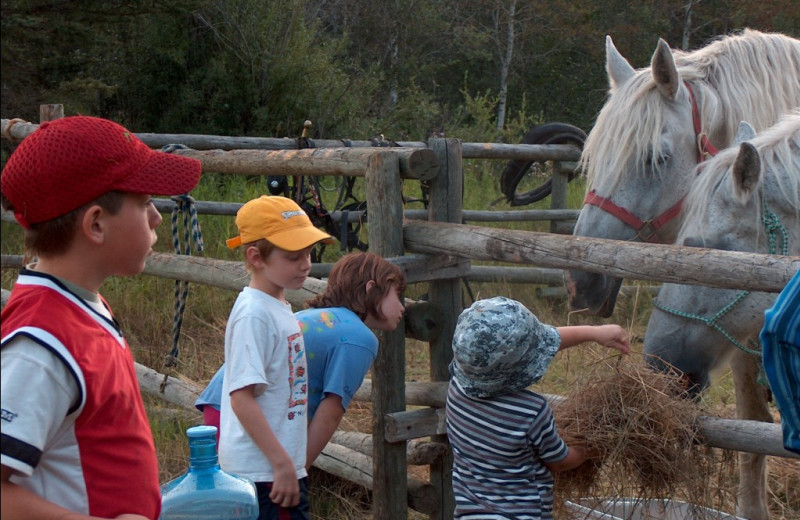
(285,488)
(613,336)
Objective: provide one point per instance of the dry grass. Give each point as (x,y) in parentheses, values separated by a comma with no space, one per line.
(638,429)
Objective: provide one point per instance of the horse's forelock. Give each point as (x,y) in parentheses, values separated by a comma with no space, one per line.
(615,141)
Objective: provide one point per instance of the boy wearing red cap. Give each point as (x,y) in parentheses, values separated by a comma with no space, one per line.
(263,414)
(76,442)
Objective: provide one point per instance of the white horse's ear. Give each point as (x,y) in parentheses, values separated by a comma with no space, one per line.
(744,133)
(665,73)
(617,67)
(746,171)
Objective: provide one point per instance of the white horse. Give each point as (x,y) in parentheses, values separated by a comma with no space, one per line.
(658,123)
(745,199)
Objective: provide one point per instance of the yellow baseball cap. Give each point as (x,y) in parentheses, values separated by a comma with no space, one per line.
(280,221)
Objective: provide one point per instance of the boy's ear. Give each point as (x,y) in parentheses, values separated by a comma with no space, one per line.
(370,285)
(253,256)
(93,225)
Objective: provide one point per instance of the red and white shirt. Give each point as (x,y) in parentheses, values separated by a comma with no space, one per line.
(73,423)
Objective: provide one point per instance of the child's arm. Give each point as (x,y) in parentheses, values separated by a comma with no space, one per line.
(285,488)
(611,336)
(19,503)
(326,419)
(575,457)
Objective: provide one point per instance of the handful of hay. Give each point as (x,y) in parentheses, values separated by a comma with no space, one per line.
(638,428)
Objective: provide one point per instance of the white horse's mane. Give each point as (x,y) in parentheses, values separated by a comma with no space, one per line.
(779,150)
(752,76)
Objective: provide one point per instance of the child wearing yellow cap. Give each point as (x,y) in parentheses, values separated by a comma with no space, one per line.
(263,423)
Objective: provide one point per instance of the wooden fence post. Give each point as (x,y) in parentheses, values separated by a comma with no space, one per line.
(558,192)
(446,202)
(385,202)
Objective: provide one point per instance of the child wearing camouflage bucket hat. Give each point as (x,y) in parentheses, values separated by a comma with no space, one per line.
(504,438)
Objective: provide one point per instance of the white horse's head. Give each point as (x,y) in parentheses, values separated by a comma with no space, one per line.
(745,199)
(656,125)
(638,158)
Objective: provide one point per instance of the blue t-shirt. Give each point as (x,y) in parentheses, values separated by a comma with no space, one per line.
(780,343)
(340,350)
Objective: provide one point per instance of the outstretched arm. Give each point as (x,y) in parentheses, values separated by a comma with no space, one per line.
(325,421)
(611,336)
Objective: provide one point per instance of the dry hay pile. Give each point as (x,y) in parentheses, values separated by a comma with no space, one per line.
(638,427)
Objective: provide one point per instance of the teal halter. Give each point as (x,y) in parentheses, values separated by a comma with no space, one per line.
(773,226)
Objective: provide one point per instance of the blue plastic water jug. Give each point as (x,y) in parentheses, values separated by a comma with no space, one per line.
(205,492)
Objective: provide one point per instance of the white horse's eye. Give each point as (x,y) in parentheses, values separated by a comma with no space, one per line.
(658,160)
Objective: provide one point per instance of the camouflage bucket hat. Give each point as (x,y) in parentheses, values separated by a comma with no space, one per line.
(499,347)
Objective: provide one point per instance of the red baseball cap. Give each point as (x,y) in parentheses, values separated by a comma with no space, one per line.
(71,161)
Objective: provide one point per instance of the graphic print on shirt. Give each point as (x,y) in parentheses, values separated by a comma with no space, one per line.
(298,379)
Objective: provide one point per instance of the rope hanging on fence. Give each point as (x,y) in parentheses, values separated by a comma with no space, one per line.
(184,205)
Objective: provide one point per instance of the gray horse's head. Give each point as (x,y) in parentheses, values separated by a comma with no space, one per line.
(746,199)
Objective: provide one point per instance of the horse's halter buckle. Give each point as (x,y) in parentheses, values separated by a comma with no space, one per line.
(705,149)
(647,231)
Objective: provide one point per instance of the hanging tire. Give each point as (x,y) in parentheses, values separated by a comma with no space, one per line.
(515,171)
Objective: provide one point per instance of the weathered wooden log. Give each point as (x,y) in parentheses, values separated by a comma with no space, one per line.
(176,391)
(418,393)
(664,263)
(422,319)
(508,274)
(384,191)
(230,208)
(533,152)
(224,142)
(225,274)
(415,163)
(750,436)
(523,215)
(730,434)
(418,452)
(357,467)
(625,290)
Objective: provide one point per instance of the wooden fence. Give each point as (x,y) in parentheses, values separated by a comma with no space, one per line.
(439,250)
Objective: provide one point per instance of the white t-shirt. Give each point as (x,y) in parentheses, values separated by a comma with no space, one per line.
(264,347)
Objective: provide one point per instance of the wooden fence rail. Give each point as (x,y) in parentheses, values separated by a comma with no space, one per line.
(443,248)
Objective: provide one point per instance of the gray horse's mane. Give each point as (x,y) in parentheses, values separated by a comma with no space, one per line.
(779,149)
(751,76)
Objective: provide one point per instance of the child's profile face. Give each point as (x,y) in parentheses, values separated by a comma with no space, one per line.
(392,308)
(130,234)
(287,269)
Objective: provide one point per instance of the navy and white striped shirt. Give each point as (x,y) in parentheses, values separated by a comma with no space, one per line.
(500,446)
